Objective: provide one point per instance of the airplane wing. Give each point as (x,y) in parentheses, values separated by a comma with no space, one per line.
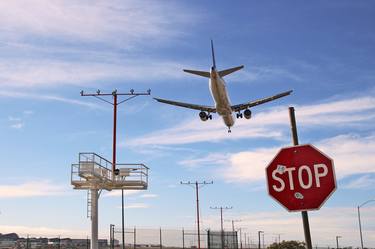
(244,106)
(210,109)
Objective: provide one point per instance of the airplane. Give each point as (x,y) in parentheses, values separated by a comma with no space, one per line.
(220,96)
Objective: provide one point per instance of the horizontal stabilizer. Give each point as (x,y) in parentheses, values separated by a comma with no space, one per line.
(222,73)
(200,73)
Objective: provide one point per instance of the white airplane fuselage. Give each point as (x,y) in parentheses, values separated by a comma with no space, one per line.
(220,96)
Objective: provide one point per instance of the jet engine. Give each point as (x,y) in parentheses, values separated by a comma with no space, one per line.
(247,114)
(203,116)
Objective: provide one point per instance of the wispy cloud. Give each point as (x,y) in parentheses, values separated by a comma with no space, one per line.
(17,125)
(136,206)
(115,193)
(264,73)
(362,182)
(149,196)
(54,73)
(26,95)
(31,189)
(120,21)
(268,124)
(54,43)
(211,159)
(352,155)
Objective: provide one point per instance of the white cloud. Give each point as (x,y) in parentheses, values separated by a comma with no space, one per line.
(149,196)
(54,43)
(17,126)
(27,95)
(264,73)
(112,21)
(11,118)
(351,154)
(31,189)
(115,193)
(273,123)
(362,182)
(53,73)
(213,158)
(136,206)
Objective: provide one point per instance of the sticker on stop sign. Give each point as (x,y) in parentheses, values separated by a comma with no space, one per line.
(301,178)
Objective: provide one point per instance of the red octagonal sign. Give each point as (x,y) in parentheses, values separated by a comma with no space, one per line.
(301,178)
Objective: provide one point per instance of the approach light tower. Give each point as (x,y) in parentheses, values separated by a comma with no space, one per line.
(197,185)
(95,173)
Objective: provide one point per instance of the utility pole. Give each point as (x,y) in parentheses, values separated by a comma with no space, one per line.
(221,221)
(101,96)
(359,219)
(305,216)
(259,232)
(197,185)
(337,241)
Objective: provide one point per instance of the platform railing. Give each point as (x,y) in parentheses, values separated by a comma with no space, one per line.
(94,170)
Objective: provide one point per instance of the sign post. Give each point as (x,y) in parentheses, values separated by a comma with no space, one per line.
(305,216)
(301,178)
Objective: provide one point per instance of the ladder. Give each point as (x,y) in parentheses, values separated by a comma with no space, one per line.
(89,203)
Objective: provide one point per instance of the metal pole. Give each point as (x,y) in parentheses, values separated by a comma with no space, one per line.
(59,244)
(259,239)
(196,184)
(221,218)
(94,218)
(222,227)
(122,218)
(240,238)
(245,239)
(135,237)
(233,226)
(114,131)
(305,217)
(263,240)
(161,247)
(337,241)
(360,226)
(112,235)
(199,235)
(183,238)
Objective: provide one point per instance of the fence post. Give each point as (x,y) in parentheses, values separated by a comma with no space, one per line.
(183,238)
(161,247)
(135,238)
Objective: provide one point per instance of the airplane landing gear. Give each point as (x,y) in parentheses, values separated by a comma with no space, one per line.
(229,130)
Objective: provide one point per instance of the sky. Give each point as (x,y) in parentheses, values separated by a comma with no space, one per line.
(51,50)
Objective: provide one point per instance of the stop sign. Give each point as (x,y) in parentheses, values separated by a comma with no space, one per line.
(301,178)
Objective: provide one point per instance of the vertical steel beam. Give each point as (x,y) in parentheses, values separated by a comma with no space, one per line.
(94,218)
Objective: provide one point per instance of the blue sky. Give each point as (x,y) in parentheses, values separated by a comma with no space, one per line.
(51,50)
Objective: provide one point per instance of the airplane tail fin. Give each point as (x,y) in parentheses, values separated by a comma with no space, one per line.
(213,55)
(222,73)
(200,73)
